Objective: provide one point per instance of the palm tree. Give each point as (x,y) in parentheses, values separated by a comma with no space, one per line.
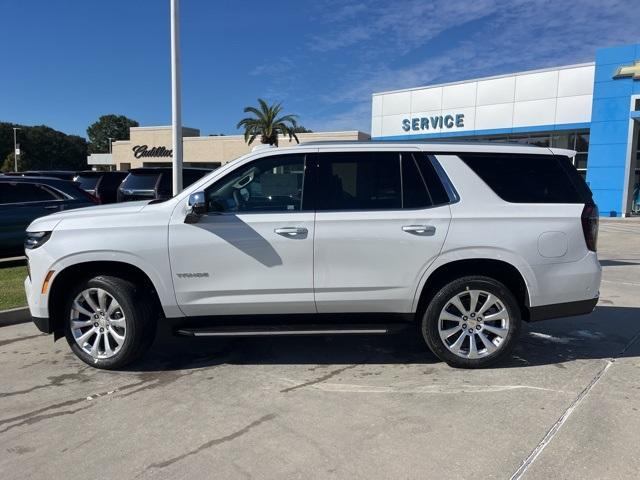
(267,123)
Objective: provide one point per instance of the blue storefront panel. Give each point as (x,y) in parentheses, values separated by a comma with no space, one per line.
(610,125)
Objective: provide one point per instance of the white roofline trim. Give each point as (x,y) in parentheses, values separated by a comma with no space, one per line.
(161,127)
(480,79)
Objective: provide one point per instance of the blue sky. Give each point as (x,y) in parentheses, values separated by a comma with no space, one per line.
(66,62)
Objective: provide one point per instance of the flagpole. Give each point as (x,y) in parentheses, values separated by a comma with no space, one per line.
(176,116)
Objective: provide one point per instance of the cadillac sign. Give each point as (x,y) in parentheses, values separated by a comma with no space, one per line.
(143,151)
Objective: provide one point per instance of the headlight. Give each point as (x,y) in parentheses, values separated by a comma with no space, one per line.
(35,239)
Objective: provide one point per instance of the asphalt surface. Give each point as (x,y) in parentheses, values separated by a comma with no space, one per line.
(566,405)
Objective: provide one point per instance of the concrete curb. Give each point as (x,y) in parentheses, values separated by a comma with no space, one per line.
(14,316)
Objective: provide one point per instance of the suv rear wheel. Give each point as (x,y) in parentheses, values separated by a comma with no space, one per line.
(471,322)
(108,322)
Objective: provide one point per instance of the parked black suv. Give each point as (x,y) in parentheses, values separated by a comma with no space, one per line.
(23,199)
(149,183)
(102,185)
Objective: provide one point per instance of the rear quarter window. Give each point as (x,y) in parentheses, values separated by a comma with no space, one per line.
(527,178)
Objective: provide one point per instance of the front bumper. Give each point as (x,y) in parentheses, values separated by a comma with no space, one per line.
(43,324)
(557,310)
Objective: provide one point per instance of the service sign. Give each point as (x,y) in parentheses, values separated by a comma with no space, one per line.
(434,123)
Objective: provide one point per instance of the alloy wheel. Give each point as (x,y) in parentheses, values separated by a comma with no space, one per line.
(473,324)
(98,323)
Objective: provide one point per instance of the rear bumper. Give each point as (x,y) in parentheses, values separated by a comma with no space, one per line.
(557,310)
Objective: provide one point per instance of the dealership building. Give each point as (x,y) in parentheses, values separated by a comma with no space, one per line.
(592,108)
(152,147)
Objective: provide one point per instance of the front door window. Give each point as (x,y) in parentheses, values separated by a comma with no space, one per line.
(272,184)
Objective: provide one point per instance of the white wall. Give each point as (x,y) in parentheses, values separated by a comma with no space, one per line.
(528,99)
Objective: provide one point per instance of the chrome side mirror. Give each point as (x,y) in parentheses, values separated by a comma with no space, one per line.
(197,207)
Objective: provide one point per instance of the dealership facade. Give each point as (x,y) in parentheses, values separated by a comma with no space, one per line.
(592,108)
(152,147)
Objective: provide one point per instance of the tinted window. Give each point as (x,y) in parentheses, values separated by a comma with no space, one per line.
(88,182)
(359,181)
(577,178)
(112,180)
(436,190)
(524,178)
(165,185)
(270,184)
(141,181)
(414,190)
(190,176)
(23,192)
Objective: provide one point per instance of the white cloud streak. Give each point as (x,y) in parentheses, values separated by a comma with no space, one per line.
(390,45)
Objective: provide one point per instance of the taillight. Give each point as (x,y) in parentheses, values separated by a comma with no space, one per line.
(589,219)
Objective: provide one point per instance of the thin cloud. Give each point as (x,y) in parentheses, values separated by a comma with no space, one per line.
(516,36)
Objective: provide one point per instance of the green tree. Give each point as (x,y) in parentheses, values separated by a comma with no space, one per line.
(42,148)
(267,123)
(108,126)
(301,129)
(9,163)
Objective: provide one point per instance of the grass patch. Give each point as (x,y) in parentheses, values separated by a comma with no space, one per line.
(12,287)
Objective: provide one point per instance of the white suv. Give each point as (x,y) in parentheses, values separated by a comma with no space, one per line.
(465,241)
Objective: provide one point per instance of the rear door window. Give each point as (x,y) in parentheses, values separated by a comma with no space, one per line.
(525,178)
(24,192)
(414,190)
(437,191)
(359,181)
(377,181)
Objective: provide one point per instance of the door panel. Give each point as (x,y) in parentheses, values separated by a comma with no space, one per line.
(252,253)
(237,264)
(366,262)
(377,230)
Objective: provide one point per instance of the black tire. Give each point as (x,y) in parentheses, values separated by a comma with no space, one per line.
(429,321)
(140,318)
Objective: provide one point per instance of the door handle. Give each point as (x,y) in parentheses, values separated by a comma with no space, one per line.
(291,231)
(424,230)
(52,207)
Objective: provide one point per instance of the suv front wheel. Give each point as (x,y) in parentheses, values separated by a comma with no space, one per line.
(471,322)
(108,322)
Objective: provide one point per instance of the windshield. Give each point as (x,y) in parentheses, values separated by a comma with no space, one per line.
(140,181)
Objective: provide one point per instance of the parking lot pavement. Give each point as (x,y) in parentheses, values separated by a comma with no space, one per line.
(566,405)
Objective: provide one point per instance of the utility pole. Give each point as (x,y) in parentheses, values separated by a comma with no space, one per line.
(176,117)
(15,150)
(111,139)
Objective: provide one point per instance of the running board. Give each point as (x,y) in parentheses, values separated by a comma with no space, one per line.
(288,330)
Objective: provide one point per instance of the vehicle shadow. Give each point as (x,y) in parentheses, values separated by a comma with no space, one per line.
(242,236)
(618,263)
(606,333)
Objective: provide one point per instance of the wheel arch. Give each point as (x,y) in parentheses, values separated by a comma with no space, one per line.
(500,270)
(72,274)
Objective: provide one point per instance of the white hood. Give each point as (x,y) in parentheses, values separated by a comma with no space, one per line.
(48,222)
